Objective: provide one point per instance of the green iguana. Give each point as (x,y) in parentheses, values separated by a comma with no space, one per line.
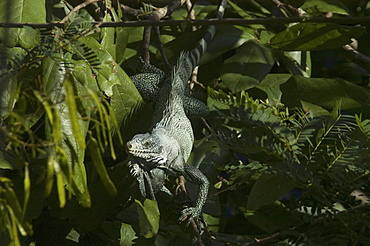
(165,149)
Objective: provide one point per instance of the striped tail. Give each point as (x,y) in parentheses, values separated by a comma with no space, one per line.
(194,55)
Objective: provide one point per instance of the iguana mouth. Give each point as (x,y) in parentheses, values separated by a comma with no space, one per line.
(139,151)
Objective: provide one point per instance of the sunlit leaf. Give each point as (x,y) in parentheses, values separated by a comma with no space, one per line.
(60,186)
(127,235)
(27,190)
(19,12)
(148,217)
(325,6)
(49,180)
(313,36)
(72,112)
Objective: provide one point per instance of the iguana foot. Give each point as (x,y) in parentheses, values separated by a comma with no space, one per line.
(134,169)
(189,214)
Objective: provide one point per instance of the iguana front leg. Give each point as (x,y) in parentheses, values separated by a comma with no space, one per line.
(148,80)
(194,175)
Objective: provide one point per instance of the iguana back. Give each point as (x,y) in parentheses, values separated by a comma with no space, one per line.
(169,109)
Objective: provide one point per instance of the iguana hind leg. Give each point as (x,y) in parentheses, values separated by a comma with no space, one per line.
(194,175)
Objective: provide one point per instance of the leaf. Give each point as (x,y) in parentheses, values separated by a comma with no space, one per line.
(208,152)
(109,72)
(297,62)
(312,36)
(225,39)
(126,101)
(271,85)
(108,35)
(73,114)
(8,92)
(49,180)
(60,186)
(27,190)
(267,190)
(20,11)
(325,93)
(127,235)
(100,167)
(245,15)
(325,6)
(248,67)
(148,218)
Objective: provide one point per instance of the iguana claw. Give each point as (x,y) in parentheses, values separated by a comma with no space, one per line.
(189,214)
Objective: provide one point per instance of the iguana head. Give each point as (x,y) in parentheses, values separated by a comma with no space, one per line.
(147,146)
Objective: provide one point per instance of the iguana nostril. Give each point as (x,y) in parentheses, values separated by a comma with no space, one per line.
(129,145)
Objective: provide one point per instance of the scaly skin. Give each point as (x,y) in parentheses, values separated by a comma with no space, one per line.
(165,150)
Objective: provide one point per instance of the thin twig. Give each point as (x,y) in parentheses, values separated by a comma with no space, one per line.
(77,8)
(155,15)
(161,49)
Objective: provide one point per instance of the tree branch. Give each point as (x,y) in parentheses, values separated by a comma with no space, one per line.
(357,57)
(226,21)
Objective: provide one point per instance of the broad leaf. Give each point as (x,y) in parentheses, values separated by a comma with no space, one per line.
(148,217)
(100,167)
(248,67)
(325,93)
(17,12)
(325,6)
(267,190)
(127,235)
(271,86)
(313,36)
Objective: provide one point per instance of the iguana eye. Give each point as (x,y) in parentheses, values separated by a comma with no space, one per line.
(160,148)
(147,143)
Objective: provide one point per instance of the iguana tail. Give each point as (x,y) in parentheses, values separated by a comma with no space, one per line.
(193,56)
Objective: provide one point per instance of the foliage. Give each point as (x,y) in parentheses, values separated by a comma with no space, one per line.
(286,146)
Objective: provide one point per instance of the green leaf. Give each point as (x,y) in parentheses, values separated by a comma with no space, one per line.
(60,186)
(73,114)
(271,85)
(313,36)
(109,72)
(297,62)
(325,93)
(126,102)
(27,190)
(17,12)
(245,15)
(208,152)
(49,180)
(128,234)
(325,6)
(226,39)
(8,92)
(248,67)
(108,38)
(148,218)
(267,190)
(99,165)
